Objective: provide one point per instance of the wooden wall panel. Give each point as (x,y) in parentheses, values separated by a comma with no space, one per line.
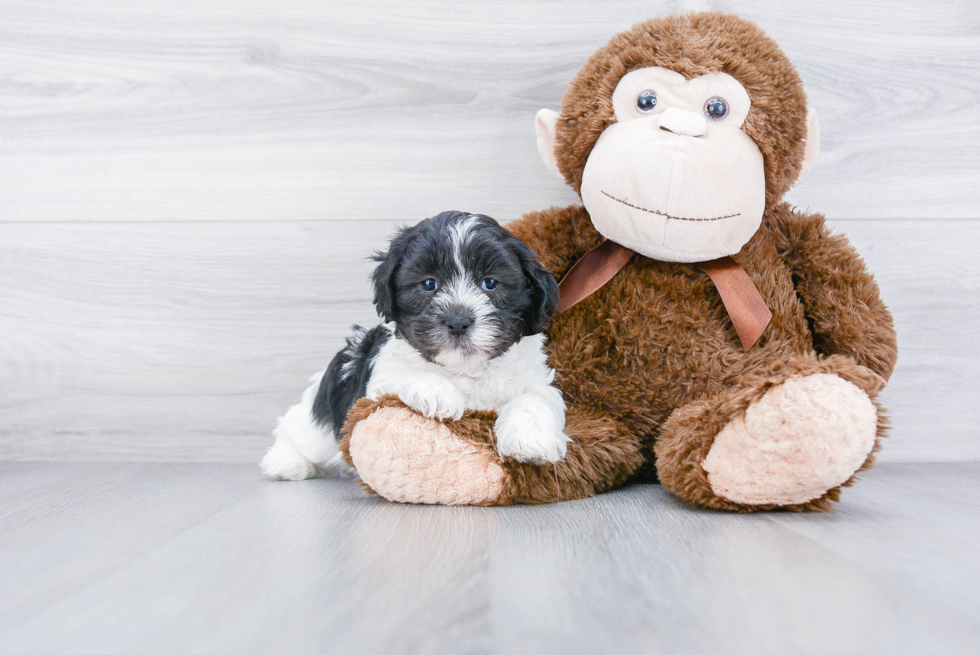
(187,191)
(387,110)
(184,341)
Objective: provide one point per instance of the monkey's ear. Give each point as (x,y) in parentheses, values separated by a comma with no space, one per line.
(544,125)
(812,144)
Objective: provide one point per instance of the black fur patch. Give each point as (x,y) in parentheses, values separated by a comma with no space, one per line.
(345,381)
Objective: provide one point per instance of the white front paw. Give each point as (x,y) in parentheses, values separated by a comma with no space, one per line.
(433,396)
(530,430)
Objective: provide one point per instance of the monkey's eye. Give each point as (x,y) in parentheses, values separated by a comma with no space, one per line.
(716,108)
(489,284)
(429,285)
(646,101)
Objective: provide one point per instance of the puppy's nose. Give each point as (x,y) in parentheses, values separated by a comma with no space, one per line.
(457,324)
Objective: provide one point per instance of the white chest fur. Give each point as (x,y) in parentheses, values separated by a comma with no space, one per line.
(517,385)
(522,369)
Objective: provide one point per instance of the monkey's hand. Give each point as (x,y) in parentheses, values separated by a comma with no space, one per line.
(840,296)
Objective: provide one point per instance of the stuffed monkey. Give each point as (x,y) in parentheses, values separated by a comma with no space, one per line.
(712,337)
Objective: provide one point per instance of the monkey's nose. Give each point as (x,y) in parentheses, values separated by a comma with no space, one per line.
(457,324)
(683,122)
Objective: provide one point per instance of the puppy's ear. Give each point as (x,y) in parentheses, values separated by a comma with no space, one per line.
(385,288)
(544,291)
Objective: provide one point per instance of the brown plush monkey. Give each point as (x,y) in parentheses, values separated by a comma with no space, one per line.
(681,136)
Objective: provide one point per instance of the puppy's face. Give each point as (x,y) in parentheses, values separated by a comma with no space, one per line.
(462,290)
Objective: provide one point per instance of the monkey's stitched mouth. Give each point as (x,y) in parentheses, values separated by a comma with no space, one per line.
(660,213)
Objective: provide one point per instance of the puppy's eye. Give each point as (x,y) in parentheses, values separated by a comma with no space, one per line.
(489,284)
(429,285)
(716,108)
(646,101)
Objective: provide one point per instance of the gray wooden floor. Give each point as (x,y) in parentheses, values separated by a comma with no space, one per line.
(211,558)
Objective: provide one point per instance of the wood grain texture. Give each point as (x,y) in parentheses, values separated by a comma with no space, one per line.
(165,340)
(187,192)
(384,110)
(158,558)
(943,503)
(184,341)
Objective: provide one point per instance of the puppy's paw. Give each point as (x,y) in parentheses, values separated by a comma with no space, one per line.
(303,449)
(433,396)
(529,429)
(285,462)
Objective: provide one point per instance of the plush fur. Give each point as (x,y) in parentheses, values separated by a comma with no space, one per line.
(650,365)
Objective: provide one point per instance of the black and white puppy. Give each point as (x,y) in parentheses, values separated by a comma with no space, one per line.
(464,303)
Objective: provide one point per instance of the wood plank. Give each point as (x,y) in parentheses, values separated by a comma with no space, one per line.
(294,566)
(383,110)
(20,479)
(664,578)
(184,341)
(303,567)
(165,340)
(872,528)
(73,531)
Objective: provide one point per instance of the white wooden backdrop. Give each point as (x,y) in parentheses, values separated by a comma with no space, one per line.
(188,191)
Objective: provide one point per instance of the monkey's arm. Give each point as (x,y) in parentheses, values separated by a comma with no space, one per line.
(559,236)
(840,295)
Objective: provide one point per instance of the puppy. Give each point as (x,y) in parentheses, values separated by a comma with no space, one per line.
(464,304)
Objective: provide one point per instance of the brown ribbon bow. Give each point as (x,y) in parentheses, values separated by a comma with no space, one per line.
(742,300)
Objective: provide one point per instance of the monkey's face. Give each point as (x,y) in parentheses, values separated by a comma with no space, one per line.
(675,178)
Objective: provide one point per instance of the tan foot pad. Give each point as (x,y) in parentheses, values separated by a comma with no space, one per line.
(408,458)
(803,438)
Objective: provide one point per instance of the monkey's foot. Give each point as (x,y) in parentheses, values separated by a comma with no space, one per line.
(801,439)
(408,458)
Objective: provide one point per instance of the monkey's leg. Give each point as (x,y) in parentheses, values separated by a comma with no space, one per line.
(788,437)
(406,457)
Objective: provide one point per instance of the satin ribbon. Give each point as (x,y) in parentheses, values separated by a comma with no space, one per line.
(743,302)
